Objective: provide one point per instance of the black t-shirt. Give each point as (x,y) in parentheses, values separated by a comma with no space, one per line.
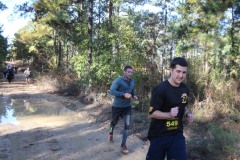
(164,97)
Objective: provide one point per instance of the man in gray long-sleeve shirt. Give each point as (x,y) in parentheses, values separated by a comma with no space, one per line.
(123,90)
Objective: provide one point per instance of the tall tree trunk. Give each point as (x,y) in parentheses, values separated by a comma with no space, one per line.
(165,45)
(80,10)
(67,56)
(55,45)
(110,13)
(59,54)
(113,48)
(234,42)
(98,31)
(90,27)
(232,30)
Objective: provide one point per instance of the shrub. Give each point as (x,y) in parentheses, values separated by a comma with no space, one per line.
(222,141)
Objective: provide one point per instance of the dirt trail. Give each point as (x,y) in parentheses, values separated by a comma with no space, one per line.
(45,126)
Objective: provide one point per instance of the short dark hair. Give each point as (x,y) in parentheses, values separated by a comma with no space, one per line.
(178,61)
(127,67)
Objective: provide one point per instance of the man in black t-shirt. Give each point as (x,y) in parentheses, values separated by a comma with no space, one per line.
(167,109)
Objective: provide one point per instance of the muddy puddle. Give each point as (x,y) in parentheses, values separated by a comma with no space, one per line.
(21,110)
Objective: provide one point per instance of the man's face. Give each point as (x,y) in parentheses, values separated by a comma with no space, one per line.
(178,74)
(128,73)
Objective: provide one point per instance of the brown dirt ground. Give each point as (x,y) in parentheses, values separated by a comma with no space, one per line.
(76,132)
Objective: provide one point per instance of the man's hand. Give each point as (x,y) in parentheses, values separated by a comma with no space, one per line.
(174,112)
(127,95)
(190,117)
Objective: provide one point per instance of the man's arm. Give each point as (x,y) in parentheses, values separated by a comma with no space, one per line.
(165,115)
(114,87)
(189,116)
(156,103)
(133,94)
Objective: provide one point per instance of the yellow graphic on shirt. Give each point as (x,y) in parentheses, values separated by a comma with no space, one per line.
(150,109)
(184,98)
(172,124)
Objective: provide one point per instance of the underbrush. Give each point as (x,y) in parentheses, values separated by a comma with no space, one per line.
(61,83)
(212,141)
(215,134)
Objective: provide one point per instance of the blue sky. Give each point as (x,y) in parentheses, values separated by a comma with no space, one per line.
(10,21)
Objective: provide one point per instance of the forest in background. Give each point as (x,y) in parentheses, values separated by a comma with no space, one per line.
(85,44)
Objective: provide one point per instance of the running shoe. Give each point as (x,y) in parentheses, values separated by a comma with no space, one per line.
(110,137)
(124,148)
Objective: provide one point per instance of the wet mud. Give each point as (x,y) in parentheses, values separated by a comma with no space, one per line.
(35,124)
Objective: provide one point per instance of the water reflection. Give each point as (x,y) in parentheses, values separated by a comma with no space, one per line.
(9,117)
(12,109)
(7,113)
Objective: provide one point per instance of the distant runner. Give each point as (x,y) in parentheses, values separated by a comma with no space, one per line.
(9,73)
(27,74)
(123,90)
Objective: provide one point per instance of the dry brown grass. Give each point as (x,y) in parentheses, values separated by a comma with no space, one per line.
(216,131)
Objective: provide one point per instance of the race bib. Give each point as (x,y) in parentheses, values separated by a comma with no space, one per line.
(172,124)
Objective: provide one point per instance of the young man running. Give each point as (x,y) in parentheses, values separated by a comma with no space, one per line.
(123,90)
(167,110)
(27,74)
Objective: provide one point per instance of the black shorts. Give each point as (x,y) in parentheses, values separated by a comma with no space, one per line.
(121,111)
